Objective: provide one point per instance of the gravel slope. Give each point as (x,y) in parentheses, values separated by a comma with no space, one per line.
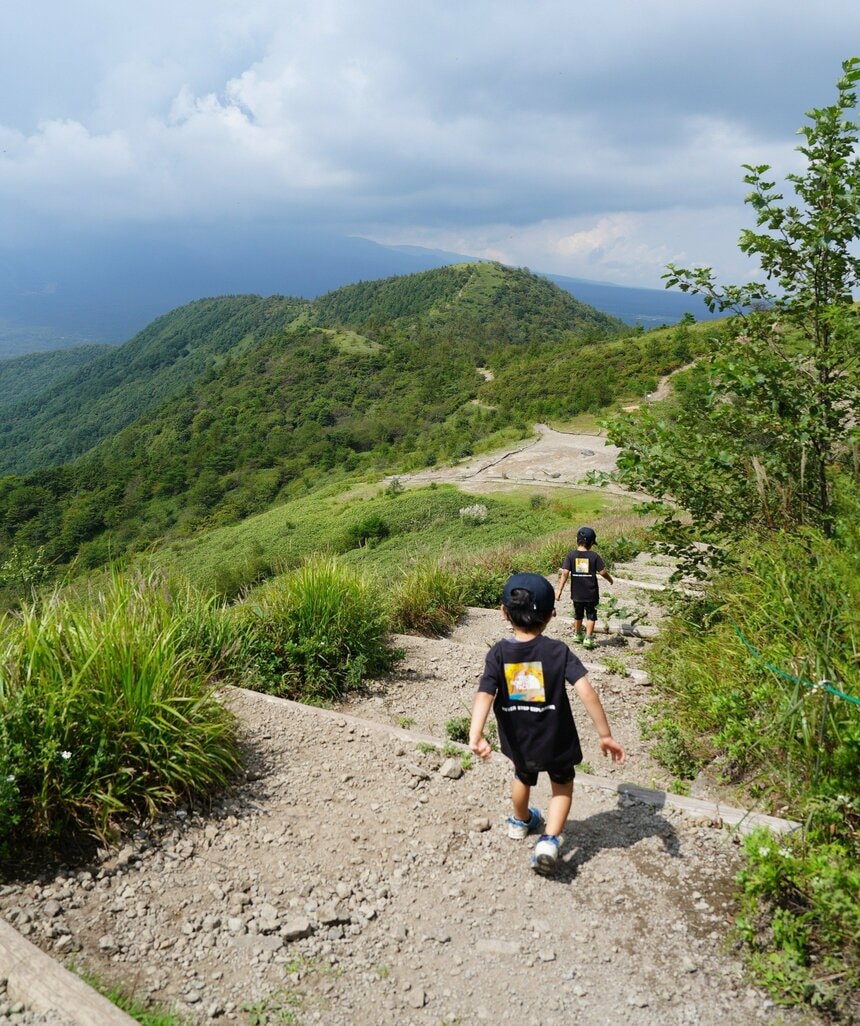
(349,881)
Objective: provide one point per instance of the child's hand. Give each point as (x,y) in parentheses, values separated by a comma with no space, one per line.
(609,746)
(481,747)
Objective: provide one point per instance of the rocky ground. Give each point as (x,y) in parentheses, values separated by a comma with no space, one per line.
(357,876)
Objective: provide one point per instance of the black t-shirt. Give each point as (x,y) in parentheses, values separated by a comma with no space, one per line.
(584,566)
(536,728)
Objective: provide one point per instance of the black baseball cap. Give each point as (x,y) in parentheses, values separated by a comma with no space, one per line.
(586,535)
(542,594)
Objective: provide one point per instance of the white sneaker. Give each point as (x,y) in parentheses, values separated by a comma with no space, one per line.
(545,858)
(519,829)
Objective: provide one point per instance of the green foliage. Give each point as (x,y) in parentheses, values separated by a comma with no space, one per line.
(761,441)
(486,299)
(778,736)
(106,709)
(68,414)
(130,1004)
(800,919)
(277,1008)
(564,379)
(457,729)
(315,632)
(24,378)
(428,601)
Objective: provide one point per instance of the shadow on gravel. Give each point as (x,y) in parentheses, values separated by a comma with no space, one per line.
(621,828)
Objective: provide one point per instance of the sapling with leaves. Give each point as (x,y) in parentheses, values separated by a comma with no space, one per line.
(760,441)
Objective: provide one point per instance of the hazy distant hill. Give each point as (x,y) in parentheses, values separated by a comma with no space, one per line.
(105,288)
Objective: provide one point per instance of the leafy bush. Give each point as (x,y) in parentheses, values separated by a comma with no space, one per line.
(429,601)
(761,726)
(106,708)
(800,919)
(315,632)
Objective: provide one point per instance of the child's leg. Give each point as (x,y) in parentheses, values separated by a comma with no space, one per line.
(590,621)
(520,799)
(559,807)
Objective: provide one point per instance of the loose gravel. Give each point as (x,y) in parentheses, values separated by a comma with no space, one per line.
(355,877)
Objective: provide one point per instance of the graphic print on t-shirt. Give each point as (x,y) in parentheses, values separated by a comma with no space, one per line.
(525,682)
(581,566)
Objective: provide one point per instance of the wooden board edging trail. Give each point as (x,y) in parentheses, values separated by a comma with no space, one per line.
(45,985)
(742,820)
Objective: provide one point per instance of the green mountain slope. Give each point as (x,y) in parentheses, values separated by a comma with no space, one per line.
(81,408)
(23,379)
(522,307)
(278,416)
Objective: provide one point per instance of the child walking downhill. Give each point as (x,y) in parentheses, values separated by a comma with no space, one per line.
(582,566)
(524,683)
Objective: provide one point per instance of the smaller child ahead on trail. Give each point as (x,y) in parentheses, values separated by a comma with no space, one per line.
(582,566)
(524,683)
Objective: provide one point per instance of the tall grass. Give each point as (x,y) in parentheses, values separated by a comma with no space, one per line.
(797,602)
(429,600)
(796,749)
(107,709)
(315,632)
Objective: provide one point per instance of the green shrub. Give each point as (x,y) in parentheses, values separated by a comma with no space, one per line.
(760,725)
(457,729)
(800,920)
(368,531)
(314,633)
(429,600)
(106,707)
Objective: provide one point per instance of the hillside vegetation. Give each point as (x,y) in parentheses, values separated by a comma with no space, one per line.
(74,411)
(275,416)
(24,379)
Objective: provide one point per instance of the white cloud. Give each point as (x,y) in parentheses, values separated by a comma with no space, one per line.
(580,131)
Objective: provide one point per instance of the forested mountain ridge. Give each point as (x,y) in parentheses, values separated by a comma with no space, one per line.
(26,378)
(523,307)
(75,411)
(274,417)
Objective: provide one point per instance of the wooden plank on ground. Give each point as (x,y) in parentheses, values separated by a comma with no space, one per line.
(43,985)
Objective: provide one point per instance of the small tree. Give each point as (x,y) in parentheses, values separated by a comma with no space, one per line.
(760,440)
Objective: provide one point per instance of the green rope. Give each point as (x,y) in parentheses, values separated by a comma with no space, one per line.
(823,685)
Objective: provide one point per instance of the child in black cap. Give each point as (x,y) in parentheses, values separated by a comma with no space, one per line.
(524,682)
(582,566)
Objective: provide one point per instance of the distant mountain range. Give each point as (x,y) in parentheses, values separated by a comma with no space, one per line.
(105,288)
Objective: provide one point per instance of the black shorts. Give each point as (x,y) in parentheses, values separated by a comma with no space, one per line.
(558,775)
(587,608)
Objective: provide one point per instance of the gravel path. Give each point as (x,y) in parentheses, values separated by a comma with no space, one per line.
(350,880)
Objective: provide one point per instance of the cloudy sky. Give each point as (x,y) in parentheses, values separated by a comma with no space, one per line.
(594,140)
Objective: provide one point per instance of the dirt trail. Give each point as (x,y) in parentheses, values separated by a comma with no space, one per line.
(358,876)
(554,459)
(349,880)
(354,878)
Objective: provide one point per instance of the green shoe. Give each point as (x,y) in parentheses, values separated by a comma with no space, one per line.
(579,637)
(589,643)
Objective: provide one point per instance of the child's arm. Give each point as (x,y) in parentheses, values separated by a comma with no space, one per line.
(606,575)
(480,711)
(564,576)
(594,708)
